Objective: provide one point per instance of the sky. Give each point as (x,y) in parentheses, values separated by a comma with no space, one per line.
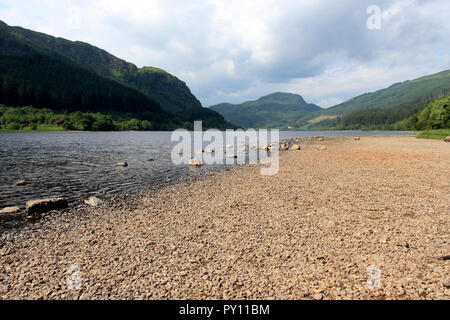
(239,50)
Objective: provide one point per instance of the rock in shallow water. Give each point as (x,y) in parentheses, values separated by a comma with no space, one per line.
(121,164)
(20,183)
(46,205)
(196,163)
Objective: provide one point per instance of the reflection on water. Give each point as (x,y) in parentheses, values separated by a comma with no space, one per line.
(79,165)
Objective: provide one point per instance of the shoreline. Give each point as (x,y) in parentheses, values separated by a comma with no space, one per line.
(74,189)
(308,233)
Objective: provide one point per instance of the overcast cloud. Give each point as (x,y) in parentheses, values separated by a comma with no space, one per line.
(232,51)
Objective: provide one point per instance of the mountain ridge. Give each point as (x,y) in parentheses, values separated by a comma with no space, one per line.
(31,77)
(278,109)
(98,60)
(382,109)
(400,86)
(171,93)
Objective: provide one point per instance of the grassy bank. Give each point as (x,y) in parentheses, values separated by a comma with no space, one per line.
(434,134)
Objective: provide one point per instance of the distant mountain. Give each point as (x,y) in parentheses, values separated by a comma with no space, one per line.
(155,84)
(278,110)
(383,108)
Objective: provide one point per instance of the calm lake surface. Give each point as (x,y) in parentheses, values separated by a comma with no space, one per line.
(77,165)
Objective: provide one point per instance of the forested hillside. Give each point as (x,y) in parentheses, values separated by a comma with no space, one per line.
(158,85)
(386,109)
(46,72)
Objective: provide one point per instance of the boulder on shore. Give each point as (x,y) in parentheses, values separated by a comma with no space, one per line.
(295,147)
(447,139)
(93,201)
(46,205)
(121,164)
(357,138)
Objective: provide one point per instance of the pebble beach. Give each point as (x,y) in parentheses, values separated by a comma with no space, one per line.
(337,211)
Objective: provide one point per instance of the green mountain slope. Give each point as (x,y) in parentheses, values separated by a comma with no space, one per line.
(29,76)
(400,94)
(383,108)
(278,110)
(171,93)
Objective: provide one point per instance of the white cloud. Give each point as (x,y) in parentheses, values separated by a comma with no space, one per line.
(242,49)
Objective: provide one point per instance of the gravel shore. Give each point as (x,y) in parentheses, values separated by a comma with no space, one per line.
(320,229)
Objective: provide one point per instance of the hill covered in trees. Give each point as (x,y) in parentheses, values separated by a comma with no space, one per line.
(386,109)
(278,110)
(48,72)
